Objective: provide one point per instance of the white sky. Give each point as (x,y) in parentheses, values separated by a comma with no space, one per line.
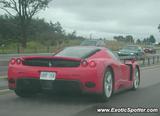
(106,18)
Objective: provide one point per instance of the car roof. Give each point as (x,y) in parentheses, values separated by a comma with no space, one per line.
(79,51)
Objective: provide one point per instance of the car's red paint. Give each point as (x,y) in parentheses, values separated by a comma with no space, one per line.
(94,72)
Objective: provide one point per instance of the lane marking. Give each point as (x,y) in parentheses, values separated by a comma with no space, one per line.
(4,90)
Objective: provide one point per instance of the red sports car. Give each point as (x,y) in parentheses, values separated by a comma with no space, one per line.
(80,68)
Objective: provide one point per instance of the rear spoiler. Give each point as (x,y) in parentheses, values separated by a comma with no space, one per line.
(51,57)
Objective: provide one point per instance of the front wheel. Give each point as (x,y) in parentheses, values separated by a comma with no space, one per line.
(136,81)
(107,85)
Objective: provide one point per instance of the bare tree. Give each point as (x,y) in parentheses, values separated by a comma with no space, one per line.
(23,10)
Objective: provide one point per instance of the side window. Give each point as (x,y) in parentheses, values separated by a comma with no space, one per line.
(101,43)
(113,54)
(98,44)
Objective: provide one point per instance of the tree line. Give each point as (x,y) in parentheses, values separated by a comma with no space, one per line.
(130,39)
(19,25)
(22,12)
(47,33)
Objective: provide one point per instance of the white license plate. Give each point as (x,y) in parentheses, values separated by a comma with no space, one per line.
(47,76)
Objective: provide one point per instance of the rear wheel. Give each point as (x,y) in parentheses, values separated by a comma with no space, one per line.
(107,85)
(136,81)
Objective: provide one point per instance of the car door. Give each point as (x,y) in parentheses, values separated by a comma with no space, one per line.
(123,70)
(118,66)
(125,74)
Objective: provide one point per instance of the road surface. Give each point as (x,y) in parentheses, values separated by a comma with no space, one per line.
(147,96)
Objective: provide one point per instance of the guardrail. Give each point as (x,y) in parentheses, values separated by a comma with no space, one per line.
(4,60)
(149,59)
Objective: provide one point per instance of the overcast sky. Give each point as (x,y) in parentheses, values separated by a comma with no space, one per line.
(106,18)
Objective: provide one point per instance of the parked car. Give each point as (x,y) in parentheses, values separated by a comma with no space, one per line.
(93,42)
(150,49)
(132,51)
(80,68)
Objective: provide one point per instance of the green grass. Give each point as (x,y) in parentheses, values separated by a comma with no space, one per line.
(37,47)
(114,45)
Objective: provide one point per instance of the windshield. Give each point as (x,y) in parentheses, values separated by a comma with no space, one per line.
(113,54)
(77,52)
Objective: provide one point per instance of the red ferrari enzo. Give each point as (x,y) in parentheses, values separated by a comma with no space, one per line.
(87,69)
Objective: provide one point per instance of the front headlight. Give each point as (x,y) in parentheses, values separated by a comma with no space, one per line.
(132,53)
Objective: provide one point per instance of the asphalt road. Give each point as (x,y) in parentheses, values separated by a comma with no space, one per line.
(3,84)
(147,96)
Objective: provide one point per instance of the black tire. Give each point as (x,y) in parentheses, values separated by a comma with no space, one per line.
(136,81)
(108,75)
(22,93)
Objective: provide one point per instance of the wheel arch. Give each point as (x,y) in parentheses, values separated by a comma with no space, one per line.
(138,67)
(113,73)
